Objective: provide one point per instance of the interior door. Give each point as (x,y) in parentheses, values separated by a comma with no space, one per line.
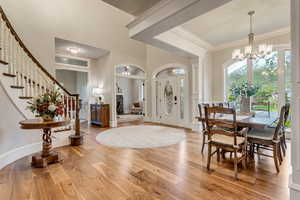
(168,93)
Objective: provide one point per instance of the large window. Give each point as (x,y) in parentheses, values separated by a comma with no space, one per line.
(268,73)
(265,76)
(236,74)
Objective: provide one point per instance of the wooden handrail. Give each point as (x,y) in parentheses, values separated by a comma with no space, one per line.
(14,33)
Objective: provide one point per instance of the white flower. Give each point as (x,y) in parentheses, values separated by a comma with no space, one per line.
(59,99)
(52,108)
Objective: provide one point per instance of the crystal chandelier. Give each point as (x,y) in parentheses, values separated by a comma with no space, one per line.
(250,52)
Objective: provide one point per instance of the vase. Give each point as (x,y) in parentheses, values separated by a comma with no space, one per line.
(245,105)
(47,118)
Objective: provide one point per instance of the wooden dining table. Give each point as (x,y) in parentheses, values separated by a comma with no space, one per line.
(260,119)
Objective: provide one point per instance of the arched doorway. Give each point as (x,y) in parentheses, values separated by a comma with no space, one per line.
(170,95)
(129,94)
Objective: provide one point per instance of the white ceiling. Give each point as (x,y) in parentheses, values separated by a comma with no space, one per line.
(133,7)
(231,21)
(86,51)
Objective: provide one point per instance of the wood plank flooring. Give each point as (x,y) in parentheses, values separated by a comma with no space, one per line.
(96,172)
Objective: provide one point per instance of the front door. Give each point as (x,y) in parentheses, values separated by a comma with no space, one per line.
(169,100)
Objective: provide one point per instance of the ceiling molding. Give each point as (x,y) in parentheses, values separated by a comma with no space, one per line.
(259,37)
(191,37)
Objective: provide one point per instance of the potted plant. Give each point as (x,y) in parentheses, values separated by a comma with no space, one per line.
(244,91)
(47,106)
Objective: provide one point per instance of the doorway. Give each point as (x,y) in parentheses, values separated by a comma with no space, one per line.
(130,90)
(171,92)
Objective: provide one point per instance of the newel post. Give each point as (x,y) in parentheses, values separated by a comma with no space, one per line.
(77,138)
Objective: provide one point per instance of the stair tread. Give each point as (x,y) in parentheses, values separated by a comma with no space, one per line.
(21,97)
(10,75)
(3,62)
(17,87)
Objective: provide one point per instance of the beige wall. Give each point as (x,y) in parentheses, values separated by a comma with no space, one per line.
(222,56)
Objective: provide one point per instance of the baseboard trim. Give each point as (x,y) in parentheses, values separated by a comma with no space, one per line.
(20,152)
(113,123)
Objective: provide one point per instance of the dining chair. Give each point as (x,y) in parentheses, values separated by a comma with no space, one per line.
(223,135)
(269,139)
(204,130)
(286,117)
(265,106)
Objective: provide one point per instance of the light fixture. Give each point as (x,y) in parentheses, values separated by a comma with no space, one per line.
(250,52)
(98,94)
(126,71)
(73,50)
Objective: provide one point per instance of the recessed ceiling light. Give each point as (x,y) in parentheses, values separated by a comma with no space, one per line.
(74,50)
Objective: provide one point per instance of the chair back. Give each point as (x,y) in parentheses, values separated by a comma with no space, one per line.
(280,125)
(202,115)
(221,126)
(287,112)
(263,104)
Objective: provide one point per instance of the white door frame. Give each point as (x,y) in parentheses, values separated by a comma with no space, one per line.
(153,92)
(114,121)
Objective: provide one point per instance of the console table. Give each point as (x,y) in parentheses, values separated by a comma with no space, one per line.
(100,114)
(47,156)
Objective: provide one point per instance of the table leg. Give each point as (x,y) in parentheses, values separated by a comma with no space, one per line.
(47,156)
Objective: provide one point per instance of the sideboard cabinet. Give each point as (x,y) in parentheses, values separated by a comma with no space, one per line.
(100,114)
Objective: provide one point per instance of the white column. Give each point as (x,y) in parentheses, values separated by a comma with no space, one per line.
(295,106)
(197,89)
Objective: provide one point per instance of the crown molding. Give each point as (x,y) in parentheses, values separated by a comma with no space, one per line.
(191,37)
(259,37)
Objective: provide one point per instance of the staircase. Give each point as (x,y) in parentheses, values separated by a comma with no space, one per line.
(23,77)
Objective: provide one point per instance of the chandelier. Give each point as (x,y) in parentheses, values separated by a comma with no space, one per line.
(250,52)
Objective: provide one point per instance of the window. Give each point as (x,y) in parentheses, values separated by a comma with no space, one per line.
(265,76)
(71,61)
(288,76)
(236,74)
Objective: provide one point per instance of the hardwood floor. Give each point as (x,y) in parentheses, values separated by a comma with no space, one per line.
(93,171)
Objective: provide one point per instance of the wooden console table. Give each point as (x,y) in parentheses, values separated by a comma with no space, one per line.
(47,156)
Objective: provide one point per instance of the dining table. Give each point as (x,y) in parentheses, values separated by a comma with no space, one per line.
(259,119)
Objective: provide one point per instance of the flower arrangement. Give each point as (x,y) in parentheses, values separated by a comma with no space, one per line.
(244,90)
(47,105)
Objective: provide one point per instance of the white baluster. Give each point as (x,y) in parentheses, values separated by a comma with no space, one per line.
(15,62)
(1,37)
(2,33)
(9,54)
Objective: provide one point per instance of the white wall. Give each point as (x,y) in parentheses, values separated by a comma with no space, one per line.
(222,56)
(68,79)
(11,136)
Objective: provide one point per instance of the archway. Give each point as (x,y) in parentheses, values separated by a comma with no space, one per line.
(135,99)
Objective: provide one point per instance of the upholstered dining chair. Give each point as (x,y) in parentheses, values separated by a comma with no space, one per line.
(223,135)
(269,138)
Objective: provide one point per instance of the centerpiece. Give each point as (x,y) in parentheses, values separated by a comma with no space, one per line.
(47,106)
(244,91)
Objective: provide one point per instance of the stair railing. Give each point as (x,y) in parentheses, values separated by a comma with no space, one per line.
(31,77)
